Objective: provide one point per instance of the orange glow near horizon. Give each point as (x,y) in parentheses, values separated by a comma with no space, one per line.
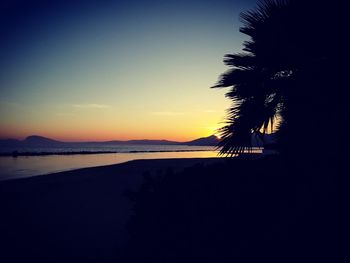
(104,136)
(158,115)
(173,128)
(104,75)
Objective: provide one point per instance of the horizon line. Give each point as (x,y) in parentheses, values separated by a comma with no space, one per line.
(111,140)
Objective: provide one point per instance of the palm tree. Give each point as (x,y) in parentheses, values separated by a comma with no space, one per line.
(256,79)
(283,75)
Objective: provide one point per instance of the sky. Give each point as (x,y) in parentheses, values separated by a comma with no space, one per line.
(105,70)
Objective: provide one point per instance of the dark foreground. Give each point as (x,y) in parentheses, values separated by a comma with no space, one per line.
(215,211)
(74,216)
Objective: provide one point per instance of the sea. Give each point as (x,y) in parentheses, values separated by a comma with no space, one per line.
(26,162)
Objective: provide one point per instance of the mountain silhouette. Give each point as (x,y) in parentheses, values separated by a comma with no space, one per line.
(204,141)
(36,140)
(39,140)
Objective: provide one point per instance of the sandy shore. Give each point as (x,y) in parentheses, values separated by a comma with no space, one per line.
(80,214)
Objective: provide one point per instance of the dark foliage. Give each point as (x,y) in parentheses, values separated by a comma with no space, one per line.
(240,211)
(291,72)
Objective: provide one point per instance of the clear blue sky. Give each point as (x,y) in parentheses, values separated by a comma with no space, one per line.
(99,70)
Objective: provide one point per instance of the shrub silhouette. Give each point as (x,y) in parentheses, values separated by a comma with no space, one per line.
(239,211)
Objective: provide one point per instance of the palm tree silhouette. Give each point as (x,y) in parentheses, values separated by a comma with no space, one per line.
(255,79)
(281,80)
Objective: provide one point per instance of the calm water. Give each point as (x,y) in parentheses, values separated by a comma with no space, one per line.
(96,147)
(25,166)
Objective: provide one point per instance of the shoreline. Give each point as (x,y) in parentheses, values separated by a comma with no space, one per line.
(28,166)
(128,167)
(18,154)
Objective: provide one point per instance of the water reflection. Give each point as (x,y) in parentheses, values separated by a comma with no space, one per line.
(25,166)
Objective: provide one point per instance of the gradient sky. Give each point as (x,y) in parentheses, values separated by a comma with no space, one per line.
(103,70)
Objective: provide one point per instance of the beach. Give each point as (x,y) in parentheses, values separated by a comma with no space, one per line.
(78,214)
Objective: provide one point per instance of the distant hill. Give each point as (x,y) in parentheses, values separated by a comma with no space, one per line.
(213,141)
(205,141)
(31,141)
(40,141)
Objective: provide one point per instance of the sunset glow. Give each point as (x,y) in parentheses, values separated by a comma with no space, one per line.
(107,74)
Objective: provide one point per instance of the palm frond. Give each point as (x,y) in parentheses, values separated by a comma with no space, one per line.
(244,118)
(234,77)
(240,60)
(253,20)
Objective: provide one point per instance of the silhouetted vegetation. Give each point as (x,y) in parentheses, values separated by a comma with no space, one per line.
(240,211)
(291,74)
